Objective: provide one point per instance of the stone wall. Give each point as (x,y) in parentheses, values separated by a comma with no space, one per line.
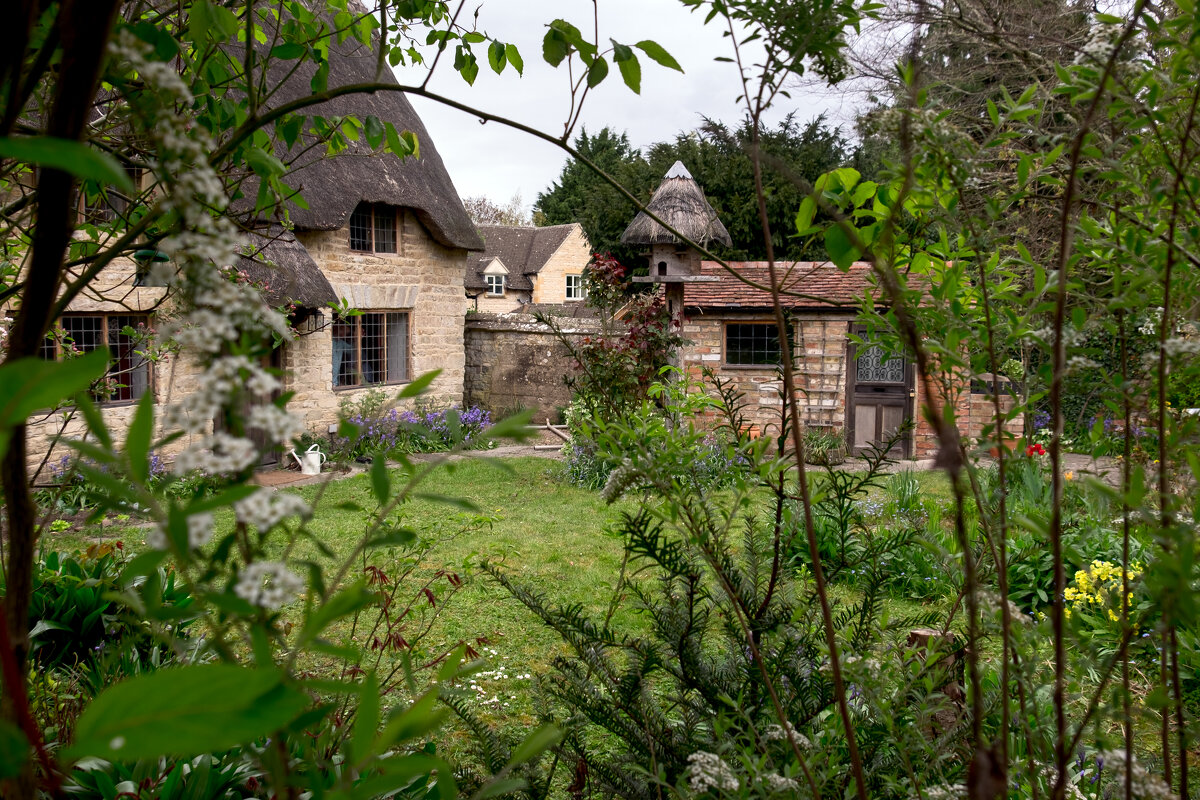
(423,278)
(513,361)
(572,256)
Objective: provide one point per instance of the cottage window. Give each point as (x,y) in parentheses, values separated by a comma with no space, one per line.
(495,284)
(574,287)
(373,228)
(100,205)
(752,343)
(128,375)
(370,348)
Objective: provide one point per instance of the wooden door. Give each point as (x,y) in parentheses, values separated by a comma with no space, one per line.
(879,399)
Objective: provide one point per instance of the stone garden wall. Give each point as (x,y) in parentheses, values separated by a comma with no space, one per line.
(514,362)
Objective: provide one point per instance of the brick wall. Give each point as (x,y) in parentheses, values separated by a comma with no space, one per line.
(513,361)
(820,364)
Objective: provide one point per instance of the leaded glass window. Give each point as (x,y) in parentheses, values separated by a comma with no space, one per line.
(128,376)
(370,348)
(752,343)
(373,228)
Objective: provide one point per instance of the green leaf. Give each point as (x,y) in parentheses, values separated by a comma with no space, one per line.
(497,57)
(375,131)
(597,72)
(381,481)
(14,750)
(837,244)
(514,58)
(993,114)
(627,62)
(419,385)
(349,600)
(366,721)
(289,51)
(499,788)
(70,156)
(185,712)
(658,54)
(95,421)
(264,164)
(31,384)
(137,439)
(535,744)
(804,217)
(514,427)
(554,47)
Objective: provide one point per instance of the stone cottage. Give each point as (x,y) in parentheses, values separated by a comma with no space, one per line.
(862,390)
(385,236)
(523,265)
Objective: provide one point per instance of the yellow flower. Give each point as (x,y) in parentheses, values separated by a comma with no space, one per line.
(1069,475)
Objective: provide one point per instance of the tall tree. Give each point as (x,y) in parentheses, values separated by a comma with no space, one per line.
(580,195)
(719,158)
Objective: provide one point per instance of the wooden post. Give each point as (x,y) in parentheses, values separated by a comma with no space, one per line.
(674,293)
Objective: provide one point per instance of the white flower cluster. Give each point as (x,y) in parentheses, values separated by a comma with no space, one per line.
(265,509)
(221,380)
(1180,346)
(1100,44)
(220,311)
(945,791)
(275,423)
(199,532)
(218,454)
(1146,785)
(1149,326)
(778,784)
(268,584)
(709,771)
(779,733)
(1081,362)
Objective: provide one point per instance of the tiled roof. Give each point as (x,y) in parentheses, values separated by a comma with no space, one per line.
(812,284)
(524,252)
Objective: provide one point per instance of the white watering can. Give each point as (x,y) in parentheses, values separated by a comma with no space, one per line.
(310,463)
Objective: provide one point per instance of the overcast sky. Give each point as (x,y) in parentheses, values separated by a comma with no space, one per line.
(498,162)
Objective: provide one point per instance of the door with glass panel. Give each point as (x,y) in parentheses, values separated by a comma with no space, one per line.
(879,390)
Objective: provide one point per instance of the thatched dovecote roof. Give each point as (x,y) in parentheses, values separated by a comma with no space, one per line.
(333,187)
(522,250)
(680,202)
(276,259)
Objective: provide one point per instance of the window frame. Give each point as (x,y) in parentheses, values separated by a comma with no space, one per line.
(375,211)
(111,203)
(106,317)
(725,349)
(357,321)
(580,293)
(488,282)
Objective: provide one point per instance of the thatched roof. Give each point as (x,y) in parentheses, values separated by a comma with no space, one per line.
(277,260)
(523,251)
(680,202)
(332,187)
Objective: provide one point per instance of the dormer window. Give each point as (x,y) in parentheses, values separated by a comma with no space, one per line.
(373,228)
(495,284)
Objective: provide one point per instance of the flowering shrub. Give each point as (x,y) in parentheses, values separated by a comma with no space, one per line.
(1094,595)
